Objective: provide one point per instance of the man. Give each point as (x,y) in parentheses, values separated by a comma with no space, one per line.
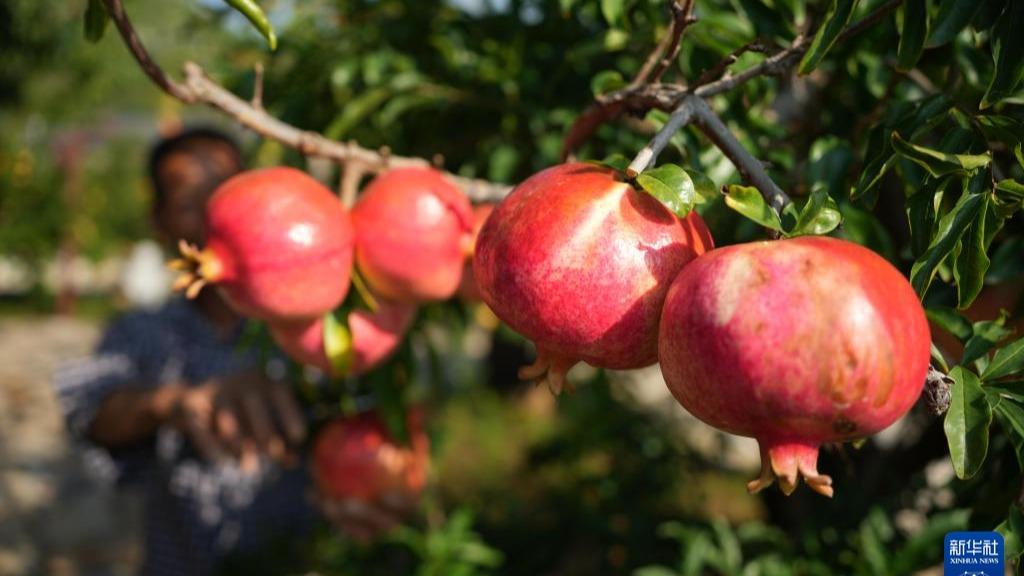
(173,402)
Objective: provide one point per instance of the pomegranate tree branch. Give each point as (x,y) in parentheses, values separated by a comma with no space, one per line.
(638,99)
(200,88)
(668,48)
(648,154)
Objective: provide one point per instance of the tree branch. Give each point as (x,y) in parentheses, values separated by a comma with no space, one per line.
(668,48)
(198,87)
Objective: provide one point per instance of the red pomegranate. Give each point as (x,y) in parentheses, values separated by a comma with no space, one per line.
(358,459)
(278,245)
(411,226)
(794,343)
(375,336)
(580,263)
(467,286)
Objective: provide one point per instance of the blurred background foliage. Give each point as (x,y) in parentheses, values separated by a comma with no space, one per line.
(595,483)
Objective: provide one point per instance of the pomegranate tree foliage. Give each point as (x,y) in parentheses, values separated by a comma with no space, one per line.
(905,137)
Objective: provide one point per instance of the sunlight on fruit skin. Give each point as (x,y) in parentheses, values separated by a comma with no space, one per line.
(411,227)
(357,458)
(279,245)
(795,343)
(580,263)
(375,336)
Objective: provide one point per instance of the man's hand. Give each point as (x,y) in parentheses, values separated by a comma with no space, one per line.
(241,416)
(365,521)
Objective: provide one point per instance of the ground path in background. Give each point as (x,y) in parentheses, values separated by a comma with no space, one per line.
(54,519)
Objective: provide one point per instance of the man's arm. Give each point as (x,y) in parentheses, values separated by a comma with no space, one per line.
(130,416)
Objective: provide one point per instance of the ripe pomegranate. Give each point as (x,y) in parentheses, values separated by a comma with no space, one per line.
(794,343)
(278,245)
(580,263)
(467,286)
(375,336)
(411,226)
(358,459)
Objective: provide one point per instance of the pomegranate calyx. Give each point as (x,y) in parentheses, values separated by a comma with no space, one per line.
(196,268)
(549,369)
(787,462)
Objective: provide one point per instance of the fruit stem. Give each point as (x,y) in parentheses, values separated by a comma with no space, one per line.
(787,462)
(550,369)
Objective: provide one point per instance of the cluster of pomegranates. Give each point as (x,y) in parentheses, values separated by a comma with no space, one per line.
(283,249)
(794,342)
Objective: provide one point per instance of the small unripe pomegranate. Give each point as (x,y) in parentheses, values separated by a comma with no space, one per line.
(795,343)
(467,287)
(411,227)
(375,336)
(358,459)
(580,262)
(278,246)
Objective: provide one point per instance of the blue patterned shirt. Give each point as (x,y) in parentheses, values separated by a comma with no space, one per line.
(197,512)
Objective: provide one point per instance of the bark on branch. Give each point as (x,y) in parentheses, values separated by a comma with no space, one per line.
(198,87)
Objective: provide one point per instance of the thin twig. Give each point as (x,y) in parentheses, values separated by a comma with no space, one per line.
(648,154)
(198,87)
(775,64)
(257,86)
(749,167)
(719,69)
(352,173)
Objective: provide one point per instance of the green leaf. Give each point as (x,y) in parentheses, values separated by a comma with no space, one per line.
(921,215)
(1005,129)
(953,16)
(1012,530)
(820,215)
(748,201)
(1012,191)
(654,571)
(913,33)
(672,186)
(951,227)
(967,423)
(1008,54)
(338,344)
(939,163)
(951,321)
(1007,360)
(705,187)
(606,81)
(566,6)
(986,335)
(257,17)
(613,11)
(836,18)
(96,20)
(972,262)
(1019,154)
(1011,418)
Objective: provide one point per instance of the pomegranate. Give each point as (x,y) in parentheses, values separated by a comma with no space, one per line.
(580,263)
(794,343)
(375,336)
(467,287)
(278,246)
(358,459)
(411,226)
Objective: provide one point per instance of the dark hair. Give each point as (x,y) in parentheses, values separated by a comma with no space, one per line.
(190,140)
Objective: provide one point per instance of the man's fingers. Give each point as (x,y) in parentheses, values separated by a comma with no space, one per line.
(228,429)
(203,439)
(288,414)
(261,426)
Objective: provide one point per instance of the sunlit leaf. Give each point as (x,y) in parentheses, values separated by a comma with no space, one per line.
(939,163)
(820,215)
(671,185)
(748,201)
(1007,361)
